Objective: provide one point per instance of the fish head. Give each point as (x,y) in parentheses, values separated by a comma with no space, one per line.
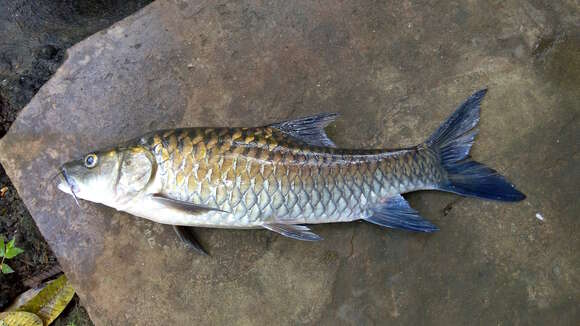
(112,177)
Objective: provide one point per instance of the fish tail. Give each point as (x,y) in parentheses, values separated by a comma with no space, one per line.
(453,141)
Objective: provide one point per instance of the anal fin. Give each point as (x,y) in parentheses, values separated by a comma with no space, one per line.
(294,231)
(397,214)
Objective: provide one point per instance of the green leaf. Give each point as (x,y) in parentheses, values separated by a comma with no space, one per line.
(2,247)
(10,243)
(6,269)
(13,252)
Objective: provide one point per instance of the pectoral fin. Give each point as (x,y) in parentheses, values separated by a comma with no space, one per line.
(308,129)
(396,213)
(298,232)
(186,235)
(183,205)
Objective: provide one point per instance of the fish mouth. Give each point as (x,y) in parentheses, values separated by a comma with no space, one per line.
(67,184)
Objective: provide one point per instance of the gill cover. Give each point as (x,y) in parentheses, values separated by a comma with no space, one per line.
(136,171)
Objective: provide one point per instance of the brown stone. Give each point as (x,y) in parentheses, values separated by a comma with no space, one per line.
(394,71)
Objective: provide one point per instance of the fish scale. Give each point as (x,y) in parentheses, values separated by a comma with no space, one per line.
(268,177)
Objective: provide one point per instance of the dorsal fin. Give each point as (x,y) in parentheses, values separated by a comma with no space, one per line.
(308,129)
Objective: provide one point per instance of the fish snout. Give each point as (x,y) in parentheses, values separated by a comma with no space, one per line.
(67,183)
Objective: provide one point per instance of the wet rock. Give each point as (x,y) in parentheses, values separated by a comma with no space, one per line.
(394,71)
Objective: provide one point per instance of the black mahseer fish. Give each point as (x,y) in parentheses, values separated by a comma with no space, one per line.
(282,176)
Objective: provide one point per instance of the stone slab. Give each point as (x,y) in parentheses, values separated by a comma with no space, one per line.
(394,70)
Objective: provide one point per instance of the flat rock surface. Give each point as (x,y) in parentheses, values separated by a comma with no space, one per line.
(394,71)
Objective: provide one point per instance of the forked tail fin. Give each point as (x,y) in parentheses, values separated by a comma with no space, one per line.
(466,177)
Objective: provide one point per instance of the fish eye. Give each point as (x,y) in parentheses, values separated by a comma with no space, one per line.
(91,160)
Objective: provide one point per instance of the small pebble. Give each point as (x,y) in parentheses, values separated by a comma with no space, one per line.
(556,270)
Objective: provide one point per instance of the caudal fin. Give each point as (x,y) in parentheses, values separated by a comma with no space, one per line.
(453,141)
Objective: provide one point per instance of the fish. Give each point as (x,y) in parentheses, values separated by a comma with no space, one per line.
(282,177)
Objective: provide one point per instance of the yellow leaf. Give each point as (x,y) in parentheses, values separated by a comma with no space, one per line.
(51,300)
(19,318)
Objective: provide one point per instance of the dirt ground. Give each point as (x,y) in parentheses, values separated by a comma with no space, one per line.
(34,36)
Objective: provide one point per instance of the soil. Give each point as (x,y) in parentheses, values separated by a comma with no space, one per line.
(34,36)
